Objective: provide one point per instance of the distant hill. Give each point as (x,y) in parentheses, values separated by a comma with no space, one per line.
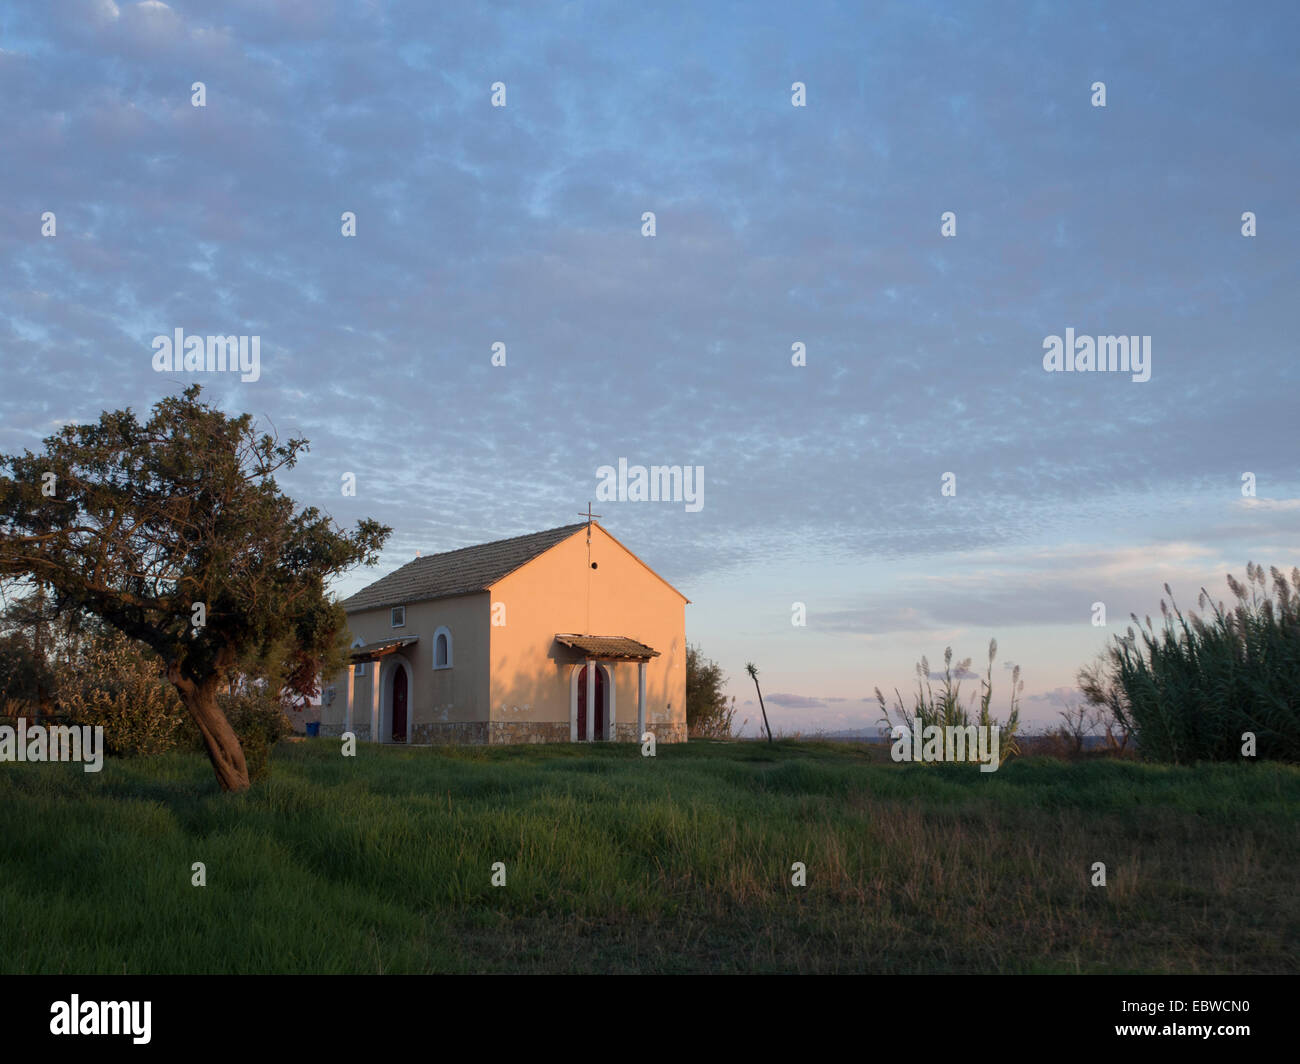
(855,735)
(872,735)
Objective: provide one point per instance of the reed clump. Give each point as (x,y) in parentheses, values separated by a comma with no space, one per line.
(1215,686)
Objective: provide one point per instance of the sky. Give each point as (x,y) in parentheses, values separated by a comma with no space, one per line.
(774,225)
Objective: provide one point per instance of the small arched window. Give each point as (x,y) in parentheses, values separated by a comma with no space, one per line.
(442,648)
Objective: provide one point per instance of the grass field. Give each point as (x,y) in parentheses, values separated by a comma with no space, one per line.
(615,863)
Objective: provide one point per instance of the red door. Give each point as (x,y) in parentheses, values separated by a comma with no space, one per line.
(600,706)
(399,705)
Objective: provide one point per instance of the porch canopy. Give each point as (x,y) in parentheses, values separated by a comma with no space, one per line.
(608,647)
(375,651)
(372,652)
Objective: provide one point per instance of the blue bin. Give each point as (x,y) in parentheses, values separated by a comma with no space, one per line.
(313,729)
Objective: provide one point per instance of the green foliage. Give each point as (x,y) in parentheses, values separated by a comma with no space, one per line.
(945,709)
(189,503)
(33,638)
(709,714)
(260,722)
(117,684)
(175,532)
(1190,690)
(22,674)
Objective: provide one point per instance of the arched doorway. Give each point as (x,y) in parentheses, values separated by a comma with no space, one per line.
(601,707)
(397,702)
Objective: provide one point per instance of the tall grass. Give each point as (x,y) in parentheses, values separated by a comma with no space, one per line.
(1192,689)
(620,863)
(945,709)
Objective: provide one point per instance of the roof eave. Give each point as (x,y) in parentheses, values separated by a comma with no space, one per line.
(387,604)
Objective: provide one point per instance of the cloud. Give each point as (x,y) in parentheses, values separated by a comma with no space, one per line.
(522,225)
(1269,504)
(1057,698)
(788,701)
(988,590)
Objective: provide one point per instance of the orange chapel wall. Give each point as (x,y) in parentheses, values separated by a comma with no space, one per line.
(530,679)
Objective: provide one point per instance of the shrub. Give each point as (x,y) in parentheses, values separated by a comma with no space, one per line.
(1190,691)
(13,708)
(260,722)
(945,709)
(20,669)
(118,685)
(708,713)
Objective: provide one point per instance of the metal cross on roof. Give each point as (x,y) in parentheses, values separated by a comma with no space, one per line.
(588,515)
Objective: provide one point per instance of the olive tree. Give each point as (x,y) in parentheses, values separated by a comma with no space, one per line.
(174,531)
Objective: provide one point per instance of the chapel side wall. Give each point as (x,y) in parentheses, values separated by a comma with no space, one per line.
(458,695)
(447,705)
(559,592)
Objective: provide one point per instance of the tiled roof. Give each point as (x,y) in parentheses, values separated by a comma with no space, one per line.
(608,646)
(457,572)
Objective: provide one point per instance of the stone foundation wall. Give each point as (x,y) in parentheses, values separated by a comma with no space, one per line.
(507,732)
(664,732)
(522,731)
(335,730)
(450,733)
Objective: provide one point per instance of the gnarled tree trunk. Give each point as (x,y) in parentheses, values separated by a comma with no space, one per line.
(224,751)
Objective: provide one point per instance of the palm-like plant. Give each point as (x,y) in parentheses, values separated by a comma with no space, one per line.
(752,669)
